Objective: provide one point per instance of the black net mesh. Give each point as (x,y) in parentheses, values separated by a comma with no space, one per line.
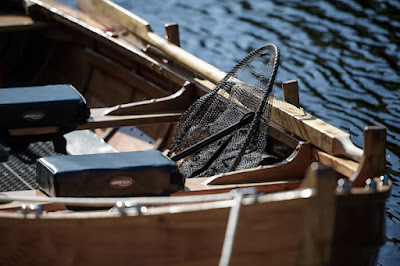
(227,129)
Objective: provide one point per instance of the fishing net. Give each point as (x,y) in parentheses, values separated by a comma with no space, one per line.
(227,129)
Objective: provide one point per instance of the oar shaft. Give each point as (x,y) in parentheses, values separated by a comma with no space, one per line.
(142,28)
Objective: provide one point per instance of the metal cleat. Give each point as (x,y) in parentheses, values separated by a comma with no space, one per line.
(126,207)
(384,180)
(31,209)
(370,184)
(343,185)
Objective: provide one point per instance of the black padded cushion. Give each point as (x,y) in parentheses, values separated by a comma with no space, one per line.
(51,105)
(109,174)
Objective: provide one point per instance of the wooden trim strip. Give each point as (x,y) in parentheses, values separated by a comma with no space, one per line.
(98,120)
(20,22)
(294,167)
(321,134)
(343,166)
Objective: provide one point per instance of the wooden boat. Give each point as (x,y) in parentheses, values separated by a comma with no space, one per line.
(301,213)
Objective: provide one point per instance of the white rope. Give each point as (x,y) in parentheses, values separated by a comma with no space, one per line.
(230,232)
(112,201)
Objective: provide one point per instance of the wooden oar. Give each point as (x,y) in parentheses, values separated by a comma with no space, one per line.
(283,114)
(99,120)
(162,110)
(142,29)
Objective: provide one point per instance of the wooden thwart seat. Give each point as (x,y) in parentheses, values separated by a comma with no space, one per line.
(162,110)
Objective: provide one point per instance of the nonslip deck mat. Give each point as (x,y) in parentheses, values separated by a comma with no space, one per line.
(19,171)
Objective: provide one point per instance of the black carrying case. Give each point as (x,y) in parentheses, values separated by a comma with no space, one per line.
(109,174)
(42,106)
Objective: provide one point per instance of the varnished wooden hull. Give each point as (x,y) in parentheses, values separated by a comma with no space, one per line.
(360,229)
(266,232)
(53,48)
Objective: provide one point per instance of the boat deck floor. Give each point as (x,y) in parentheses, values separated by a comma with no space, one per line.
(19,171)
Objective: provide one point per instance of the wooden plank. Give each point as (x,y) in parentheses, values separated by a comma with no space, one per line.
(55,6)
(180,100)
(33,131)
(343,166)
(131,139)
(15,20)
(109,26)
(373,162)
(190,234)
(321,134)
(172,31)
(291,92)
(201,186)
(294,167)
(20,22)
(98,120)
(320,216)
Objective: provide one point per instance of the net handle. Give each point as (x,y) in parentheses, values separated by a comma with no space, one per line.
(246,119)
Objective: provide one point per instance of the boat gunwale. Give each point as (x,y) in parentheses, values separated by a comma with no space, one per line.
(171,204)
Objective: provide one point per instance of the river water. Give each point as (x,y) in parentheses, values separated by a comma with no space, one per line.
(345,55)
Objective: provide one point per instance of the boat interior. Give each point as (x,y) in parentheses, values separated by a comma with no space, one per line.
(136,93)
(136,85)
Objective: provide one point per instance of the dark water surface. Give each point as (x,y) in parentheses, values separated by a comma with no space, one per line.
(345,55)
